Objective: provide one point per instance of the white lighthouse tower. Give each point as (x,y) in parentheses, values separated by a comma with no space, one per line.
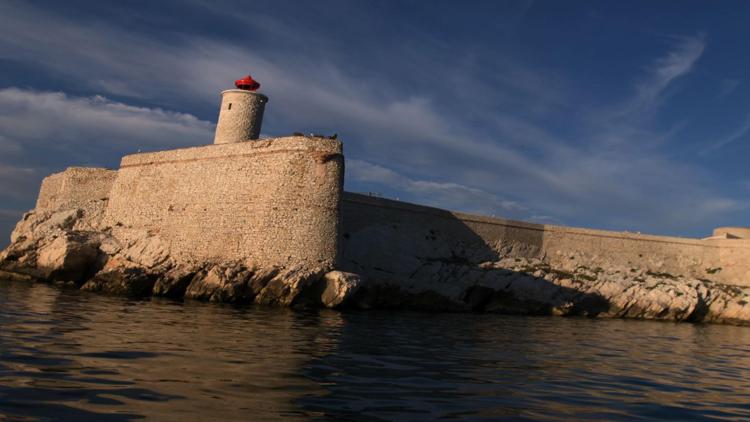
(241,113)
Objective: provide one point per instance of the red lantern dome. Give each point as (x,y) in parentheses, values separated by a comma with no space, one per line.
(247,83)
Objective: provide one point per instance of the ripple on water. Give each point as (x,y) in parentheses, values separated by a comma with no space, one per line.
(66,354)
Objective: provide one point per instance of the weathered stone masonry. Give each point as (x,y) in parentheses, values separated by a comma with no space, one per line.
(75,187)
(278,202)
(388,239)
(240,116)
(274,202)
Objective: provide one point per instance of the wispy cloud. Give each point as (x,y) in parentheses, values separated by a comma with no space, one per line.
(728,85)
(467,137)
(443,194)
(652,85)
(58,121)
(738,134)
(665,70)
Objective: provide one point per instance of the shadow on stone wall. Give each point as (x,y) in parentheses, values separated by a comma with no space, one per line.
(391,237)
(425,258)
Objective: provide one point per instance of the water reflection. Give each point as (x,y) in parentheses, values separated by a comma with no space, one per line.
(66,354)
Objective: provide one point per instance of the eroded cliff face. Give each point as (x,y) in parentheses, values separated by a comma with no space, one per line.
(71,247)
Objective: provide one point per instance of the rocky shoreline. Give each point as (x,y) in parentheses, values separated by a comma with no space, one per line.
(69,247)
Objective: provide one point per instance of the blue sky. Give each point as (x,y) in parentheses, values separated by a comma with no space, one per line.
(618,115)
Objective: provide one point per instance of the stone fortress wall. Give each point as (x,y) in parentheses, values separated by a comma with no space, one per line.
(732,232)
(390,239)
(274,202)
(75,187)
(279,202)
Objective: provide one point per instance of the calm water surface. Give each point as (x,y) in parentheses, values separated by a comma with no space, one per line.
(71,355)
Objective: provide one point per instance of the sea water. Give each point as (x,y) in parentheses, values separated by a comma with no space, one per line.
(72,355)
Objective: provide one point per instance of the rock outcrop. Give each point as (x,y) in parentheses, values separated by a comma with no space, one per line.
(70,246)
(532,287)
(339,288)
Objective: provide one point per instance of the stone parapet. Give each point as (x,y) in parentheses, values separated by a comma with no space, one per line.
(75,187)
(732,232)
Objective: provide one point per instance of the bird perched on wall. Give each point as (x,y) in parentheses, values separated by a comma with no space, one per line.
(315,135)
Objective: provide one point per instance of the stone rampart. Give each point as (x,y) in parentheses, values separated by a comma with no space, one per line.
(274,202)
(75,187)
(279,202)
(732,232)
(386,238)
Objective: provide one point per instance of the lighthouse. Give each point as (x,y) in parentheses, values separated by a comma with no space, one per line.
(241,113)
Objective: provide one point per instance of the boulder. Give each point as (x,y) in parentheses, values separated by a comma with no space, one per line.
(292,286)
(68,257)
(234,282)
(339,287)
(148,251)
(174,283)
(39,224)
(222,283)
(45,245)
(122,281)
